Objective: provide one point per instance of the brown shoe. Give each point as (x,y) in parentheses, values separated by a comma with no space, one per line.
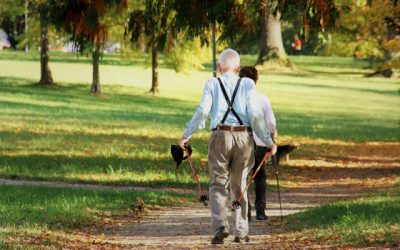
(239,239)
(220,236)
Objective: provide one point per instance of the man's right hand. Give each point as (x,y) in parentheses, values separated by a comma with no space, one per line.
(273,148)
(182,142)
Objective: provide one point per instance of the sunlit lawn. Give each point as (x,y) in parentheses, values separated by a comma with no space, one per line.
(124,137)
(373,220)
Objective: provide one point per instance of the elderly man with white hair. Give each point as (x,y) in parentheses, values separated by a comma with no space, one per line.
(235,112)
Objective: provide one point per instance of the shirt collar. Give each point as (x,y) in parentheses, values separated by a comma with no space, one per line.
(229,74)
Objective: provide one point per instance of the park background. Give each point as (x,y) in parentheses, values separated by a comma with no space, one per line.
(108,120)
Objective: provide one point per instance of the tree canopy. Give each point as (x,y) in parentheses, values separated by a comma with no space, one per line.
(81,19)
(236,20)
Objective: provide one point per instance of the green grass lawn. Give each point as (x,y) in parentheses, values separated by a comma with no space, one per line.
(29,211)
(368,221)
(67,135)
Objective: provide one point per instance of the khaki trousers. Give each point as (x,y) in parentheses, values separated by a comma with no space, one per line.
(230,155)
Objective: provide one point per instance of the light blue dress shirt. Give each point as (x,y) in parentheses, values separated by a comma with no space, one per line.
(246,106)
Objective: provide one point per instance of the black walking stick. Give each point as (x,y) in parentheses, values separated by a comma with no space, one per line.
(277,181)
(203,198)
(236,204)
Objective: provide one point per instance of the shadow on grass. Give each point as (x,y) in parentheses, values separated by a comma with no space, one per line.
(334,62)
(110,159)
(341,88)
(112,59)
(61,104)
(57,104)
(333,126)
(59,57)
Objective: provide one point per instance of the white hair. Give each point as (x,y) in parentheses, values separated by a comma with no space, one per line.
(229,60)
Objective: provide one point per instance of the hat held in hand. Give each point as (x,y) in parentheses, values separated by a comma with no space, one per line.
(177,154)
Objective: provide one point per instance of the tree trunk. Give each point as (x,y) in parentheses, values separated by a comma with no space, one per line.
(274,37)
(154,62)
(391,32)
(272,52)
(96,78)
(262,43)
(45,72)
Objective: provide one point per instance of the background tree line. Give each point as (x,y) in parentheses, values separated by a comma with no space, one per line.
(181,30)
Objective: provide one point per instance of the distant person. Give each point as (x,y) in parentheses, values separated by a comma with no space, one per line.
(261,149)
(297,45)
(4,44)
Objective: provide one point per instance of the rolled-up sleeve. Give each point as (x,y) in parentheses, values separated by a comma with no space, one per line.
(256,117)
(199,118)
(269,115)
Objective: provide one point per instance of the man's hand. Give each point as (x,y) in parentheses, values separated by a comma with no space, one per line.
(182,142)
(273,148)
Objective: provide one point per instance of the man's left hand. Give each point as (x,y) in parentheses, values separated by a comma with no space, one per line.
(273,148)
(183,141)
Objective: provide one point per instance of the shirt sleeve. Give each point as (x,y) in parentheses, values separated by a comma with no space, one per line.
(256,117)
(269,115)
(198,120)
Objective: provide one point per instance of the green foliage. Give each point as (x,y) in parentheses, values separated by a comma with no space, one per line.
(164,20)
(361,30)
(187,56)
(12,17)
(12,9)
(92,18)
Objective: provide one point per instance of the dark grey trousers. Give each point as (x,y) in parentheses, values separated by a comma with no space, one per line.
(260,179)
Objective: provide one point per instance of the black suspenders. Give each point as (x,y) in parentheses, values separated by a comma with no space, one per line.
(230,102)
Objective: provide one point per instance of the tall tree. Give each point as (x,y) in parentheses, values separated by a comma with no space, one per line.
(392,26)
(46,78)
(161,24)
(12,14)
(392,46)
(271,48)
(81,20)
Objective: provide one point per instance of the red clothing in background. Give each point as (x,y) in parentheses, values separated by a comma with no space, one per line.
(297,44)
